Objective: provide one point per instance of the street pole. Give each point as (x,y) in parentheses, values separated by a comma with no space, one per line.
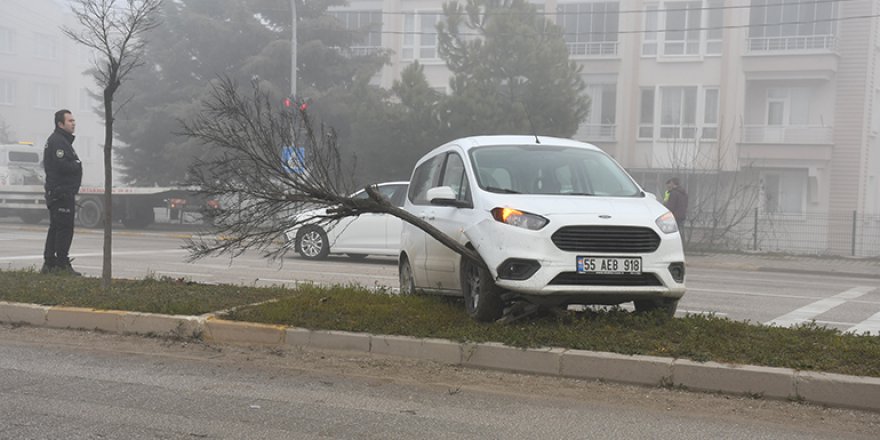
(293,50)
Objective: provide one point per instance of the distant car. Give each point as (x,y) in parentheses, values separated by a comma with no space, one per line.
(556,222)
(366,234)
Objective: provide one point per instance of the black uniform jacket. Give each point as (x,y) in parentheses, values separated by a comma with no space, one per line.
(62,165)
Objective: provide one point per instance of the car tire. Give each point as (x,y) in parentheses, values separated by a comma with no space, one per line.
(667,305)
(405,275)
(91,213)
(482,298)
(357,256)
(311,243)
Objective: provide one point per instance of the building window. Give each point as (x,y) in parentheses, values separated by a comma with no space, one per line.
(589,28)
(678,112)
(792,25)
(46,96)
(420,36)
(683,28)
(7,40)
(600,122)
(646,113)
(784,191)
(368,27)
(7,92)
(682,36)
(710,114)
(45,46)
(788,106)
(714,26)
(649,44)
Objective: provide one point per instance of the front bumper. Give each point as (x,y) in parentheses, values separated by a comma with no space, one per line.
(498,243)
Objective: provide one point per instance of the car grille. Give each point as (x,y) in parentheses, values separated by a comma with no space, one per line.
(580,279)
(616,239)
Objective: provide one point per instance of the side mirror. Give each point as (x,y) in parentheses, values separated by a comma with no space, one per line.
(445,196)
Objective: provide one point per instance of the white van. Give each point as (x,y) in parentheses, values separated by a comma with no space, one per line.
(556,222)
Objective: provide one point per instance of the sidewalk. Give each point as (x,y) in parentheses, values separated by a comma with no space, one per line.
(761,262)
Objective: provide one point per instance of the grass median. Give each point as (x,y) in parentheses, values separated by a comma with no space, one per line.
(352,308)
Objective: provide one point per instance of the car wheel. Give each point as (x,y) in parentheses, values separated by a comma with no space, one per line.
(91,213)
(405,273)
(357,256)
(482,298)
(667,305)
(311,243)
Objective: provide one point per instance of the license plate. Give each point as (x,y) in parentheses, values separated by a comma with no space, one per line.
(630,265)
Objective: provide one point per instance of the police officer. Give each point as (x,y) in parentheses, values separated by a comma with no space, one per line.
(63,178)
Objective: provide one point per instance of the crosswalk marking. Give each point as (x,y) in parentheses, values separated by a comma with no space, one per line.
(871,325)
(810,311)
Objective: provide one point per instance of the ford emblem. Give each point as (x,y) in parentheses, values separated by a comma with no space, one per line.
(604,216)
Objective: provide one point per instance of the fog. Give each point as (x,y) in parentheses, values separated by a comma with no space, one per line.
(767,110)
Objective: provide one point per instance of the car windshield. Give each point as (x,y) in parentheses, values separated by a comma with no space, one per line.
(540,169)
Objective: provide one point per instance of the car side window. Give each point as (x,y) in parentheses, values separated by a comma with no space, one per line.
(424,178)
(455,177)
(399,196)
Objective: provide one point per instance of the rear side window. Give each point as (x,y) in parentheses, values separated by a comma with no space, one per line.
(425,177)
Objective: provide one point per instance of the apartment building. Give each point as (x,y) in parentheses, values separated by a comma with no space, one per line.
(42,71)
(785,90)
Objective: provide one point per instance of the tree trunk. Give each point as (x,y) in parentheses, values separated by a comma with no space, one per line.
(107,271)
(444,239)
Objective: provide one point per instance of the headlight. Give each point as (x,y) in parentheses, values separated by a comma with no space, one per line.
(520,219)
(666,223)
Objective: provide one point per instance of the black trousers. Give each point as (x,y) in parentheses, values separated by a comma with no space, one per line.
(62,208)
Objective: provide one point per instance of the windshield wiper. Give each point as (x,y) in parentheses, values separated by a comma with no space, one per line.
(578,194)
(496,189)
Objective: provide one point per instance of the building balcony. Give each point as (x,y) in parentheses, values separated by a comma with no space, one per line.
(596,132)
(787,134)
(782,58)
(596,49)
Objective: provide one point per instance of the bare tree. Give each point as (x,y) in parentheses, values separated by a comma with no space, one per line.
(114,30)
(722,190)
(261,196)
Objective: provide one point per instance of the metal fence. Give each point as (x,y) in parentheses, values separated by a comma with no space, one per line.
(841,234)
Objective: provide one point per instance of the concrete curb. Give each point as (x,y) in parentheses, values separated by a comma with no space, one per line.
(777,383)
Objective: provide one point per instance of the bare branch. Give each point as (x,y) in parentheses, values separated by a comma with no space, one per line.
(261,197)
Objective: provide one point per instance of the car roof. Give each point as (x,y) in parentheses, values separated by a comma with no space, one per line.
(468,143)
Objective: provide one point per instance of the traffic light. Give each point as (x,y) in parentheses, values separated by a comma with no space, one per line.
(301,103)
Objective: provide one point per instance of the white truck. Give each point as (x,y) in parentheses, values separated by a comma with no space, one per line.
(22,194)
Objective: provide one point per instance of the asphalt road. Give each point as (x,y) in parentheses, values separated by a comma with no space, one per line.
(846,303)
(60,384)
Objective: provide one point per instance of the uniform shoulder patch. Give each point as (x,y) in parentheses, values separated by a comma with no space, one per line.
(59,153)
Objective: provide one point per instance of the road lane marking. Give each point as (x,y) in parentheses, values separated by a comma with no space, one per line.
(765,295)
(191,274)
(98,254)
(810,311)
(871,325)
